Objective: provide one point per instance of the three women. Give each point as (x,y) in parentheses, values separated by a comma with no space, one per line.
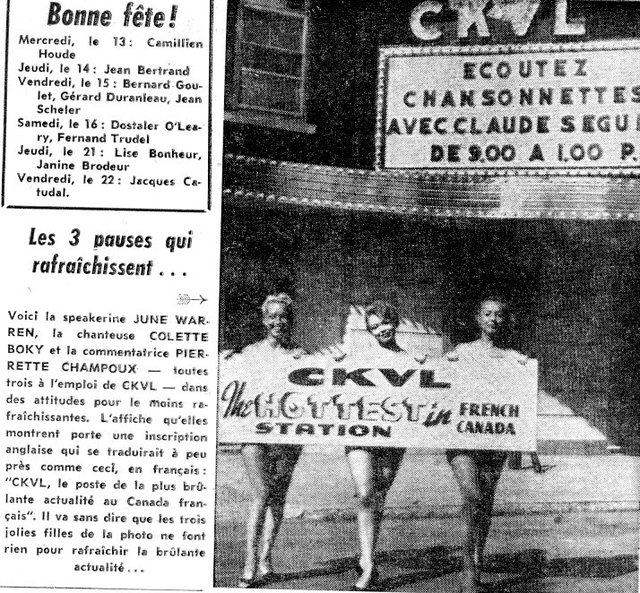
(270,467)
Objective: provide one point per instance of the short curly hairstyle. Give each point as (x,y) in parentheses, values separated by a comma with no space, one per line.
(281,299)
(494,298)
(507,312)
(385,311)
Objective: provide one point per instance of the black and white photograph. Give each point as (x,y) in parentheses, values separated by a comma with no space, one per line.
(428,315)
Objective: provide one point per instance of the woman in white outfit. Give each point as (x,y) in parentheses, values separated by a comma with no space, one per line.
(374,469)
(269,467)
(477,471)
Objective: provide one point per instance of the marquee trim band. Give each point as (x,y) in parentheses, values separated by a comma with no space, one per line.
(268,183)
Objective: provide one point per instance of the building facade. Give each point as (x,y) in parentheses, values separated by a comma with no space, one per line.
(307,209)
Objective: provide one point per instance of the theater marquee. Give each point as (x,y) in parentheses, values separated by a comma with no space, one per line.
(569,109)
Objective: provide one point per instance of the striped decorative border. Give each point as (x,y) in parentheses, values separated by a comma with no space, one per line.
(257,181)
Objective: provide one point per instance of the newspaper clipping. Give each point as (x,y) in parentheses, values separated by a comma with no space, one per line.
(108,398)
(321,295)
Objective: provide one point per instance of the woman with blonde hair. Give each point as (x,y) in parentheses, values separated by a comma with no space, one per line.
(374,469)
(269,467)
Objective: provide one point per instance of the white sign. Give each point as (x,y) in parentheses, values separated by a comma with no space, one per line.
(487,403)
(534,109)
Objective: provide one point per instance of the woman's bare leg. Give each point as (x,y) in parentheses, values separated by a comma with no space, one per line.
(537,466)
(279,480)
(385,472)
(256,462)
(361,463)
(466,474)
(489,477)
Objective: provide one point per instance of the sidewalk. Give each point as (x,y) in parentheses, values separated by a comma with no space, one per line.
(321,488)
(578,553)
(572,529)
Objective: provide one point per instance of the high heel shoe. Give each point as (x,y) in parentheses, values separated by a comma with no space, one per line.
(256,579)
(372,584)
(264,577)
(246,583)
